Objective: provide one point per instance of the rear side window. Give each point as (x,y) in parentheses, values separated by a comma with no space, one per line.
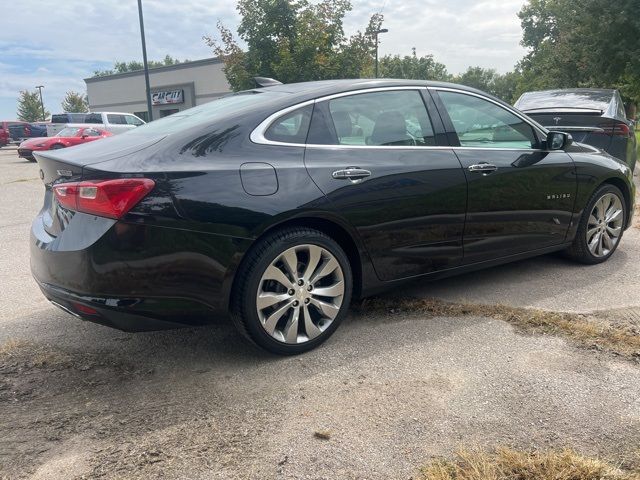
(93,118)
(391,118)
(116,119)
(292,127)
(483,124)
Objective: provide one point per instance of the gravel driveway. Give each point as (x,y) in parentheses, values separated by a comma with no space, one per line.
(381,397)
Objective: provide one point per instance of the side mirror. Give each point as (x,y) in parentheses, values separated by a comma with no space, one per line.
(558,140)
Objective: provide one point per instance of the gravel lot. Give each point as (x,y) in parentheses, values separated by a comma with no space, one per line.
(388,391)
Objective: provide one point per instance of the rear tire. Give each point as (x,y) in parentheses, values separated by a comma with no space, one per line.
(601,226)
(292,291)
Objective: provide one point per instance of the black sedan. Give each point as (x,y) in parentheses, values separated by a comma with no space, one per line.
(591,115)
(281,204)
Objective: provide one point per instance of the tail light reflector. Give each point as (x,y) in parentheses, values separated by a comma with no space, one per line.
(105,198)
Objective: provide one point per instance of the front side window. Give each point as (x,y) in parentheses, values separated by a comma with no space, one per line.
(132,120)
(116,119)
(91,132)
(391,118)
(481,123)
(68,132)
(93,118)
(292,127)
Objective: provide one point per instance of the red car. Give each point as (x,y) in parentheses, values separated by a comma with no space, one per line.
(5,136)
(67,137)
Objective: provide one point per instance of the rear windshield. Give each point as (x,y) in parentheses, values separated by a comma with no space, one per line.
(68,118)
(209,112)
(591,100)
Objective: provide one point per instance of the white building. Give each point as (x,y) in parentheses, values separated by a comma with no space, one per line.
(173,88)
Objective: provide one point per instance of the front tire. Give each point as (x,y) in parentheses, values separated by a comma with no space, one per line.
(601,226)
(292,291)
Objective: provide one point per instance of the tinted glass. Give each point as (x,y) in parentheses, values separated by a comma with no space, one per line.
(91,132)
(291,127)
(586,99)
(207,113)
(392,118)
(116,119)
(481,123)
(93,118)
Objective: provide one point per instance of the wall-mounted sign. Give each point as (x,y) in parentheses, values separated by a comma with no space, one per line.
(164,98)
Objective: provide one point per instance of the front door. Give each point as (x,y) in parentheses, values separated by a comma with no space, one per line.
(521,198)
(378,158)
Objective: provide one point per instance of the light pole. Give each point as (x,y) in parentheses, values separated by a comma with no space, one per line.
(382,30)
(40,87)
(144,60)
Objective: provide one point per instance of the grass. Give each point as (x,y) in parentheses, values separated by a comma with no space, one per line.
(638,139)
(507,464)
(588,331)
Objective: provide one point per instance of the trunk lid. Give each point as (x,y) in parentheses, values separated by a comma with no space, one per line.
(68,165)
(584,126)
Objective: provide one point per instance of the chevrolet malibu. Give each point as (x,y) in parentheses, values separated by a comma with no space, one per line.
(279,205)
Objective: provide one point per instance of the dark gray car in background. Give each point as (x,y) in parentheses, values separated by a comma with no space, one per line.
(593,116)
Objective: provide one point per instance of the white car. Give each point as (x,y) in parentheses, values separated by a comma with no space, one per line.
(114,122)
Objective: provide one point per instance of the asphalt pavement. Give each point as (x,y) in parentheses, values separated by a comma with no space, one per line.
(386,392)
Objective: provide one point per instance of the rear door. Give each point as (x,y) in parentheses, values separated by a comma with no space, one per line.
(383,163)
(520,197)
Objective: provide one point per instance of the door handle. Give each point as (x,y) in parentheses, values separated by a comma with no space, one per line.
(483,168)
(351,173)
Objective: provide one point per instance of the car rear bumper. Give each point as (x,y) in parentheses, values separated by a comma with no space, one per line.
(132,277)
(26,153)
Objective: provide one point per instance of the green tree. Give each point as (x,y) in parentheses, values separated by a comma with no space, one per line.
(504,86)
(292,41)
(591,43)
(29,107)
(413,67)
(75,102)
(135,65)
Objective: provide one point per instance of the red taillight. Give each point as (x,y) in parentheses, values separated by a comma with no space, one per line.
(616,129)
(105,198)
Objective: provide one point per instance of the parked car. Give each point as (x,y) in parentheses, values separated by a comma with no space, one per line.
(593,116)
(5,133)
(114,122)
(21,131)
(281,204)
(68,137)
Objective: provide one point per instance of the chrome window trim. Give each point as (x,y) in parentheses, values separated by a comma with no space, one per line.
(257,135)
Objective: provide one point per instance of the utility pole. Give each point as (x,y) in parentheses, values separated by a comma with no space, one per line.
(146,65)
(382,30)
(40,87)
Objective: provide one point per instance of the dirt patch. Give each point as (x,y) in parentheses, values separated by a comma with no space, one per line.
(508,464)
(612,331)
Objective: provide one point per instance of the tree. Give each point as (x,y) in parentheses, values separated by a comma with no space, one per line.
(29,107)
(413,67)
(75,102)
(504,86)
(573,43)
(134,65)
(293,41)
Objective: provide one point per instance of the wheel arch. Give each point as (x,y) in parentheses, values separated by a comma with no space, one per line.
(626,191)
(334,228)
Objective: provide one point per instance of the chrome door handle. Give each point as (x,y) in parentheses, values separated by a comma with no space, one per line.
(351,173)
(483,168)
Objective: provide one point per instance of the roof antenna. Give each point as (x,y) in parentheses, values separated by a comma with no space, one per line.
(266,82)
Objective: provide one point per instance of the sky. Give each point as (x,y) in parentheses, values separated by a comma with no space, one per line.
(59,43)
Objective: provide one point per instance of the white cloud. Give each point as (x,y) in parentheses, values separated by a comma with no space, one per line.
(67,40)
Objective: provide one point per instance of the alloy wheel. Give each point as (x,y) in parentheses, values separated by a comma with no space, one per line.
(300,294)
(605,225)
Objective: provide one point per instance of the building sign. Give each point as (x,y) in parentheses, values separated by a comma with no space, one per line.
(165,98)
